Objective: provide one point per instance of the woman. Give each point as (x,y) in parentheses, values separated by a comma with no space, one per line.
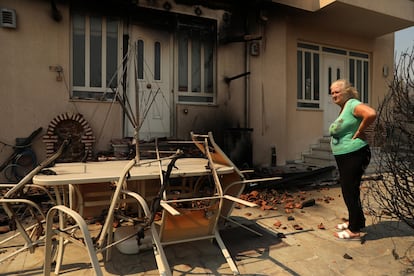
(351,151)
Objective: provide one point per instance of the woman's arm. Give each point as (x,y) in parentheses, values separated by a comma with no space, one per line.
(368,115)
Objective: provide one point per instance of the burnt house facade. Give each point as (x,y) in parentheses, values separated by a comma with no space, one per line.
(254,72)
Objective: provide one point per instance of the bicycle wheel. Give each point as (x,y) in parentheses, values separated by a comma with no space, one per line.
(27,158)
(25,161)
(10,173)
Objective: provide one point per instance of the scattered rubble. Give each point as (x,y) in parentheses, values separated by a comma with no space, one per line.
(277,223)
(297,227)
(272,199)
(348,257)
(321,226)
(287,201)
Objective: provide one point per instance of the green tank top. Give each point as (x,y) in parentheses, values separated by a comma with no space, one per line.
(343,129)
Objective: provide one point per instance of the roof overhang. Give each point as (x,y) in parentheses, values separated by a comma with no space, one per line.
(363,18)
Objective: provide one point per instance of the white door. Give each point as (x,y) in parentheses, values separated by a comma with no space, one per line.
(149,82)
(333,69)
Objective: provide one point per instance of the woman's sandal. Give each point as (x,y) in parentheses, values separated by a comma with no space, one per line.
(342,226)
(347,235)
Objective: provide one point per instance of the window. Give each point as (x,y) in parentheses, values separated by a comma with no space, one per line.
(358,73)
(308,76)
(195,67)
(95,56)
(140,59)
(156,74)
(309,70)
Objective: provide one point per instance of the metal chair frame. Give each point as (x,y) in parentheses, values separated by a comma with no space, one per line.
(33,235)
(104,241)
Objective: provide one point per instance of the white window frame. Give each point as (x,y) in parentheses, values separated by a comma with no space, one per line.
(315,99)
(189,96)
(86,92)
(361,80)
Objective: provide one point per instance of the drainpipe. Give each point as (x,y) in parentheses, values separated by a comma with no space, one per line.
(246,80)
(247,87)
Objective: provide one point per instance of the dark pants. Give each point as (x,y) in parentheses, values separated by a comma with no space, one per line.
(351,168)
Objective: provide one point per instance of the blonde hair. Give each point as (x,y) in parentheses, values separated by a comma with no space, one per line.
(346,88)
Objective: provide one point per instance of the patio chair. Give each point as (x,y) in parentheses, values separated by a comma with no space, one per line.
(177,224)
(33,234)
(104,241)
(182,224)
(232,184)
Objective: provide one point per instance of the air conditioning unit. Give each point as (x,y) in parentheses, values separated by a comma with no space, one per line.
(7,18)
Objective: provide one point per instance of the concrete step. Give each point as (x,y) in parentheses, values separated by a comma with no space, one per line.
(325,146)
(321,155)
(325,140)
(322,152)
(318,160)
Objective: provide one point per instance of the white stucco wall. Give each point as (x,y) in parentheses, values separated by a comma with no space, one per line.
(31,95)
